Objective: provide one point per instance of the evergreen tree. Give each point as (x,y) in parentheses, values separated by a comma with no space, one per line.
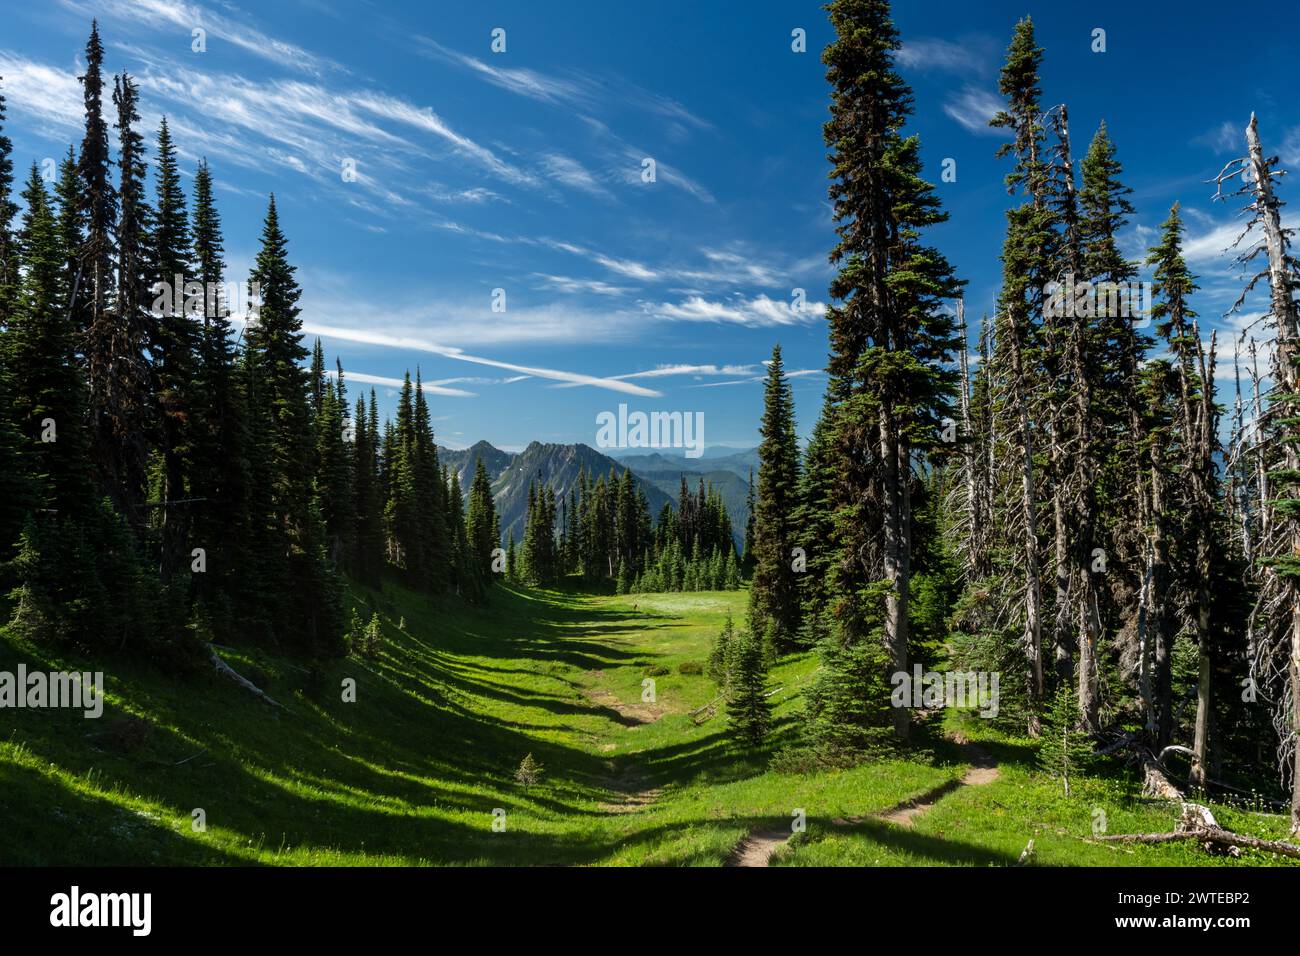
(218,438)
(368,538)
(333,483)
(774,592)
(814,519)
(889,338)
(747,548)
(45,387)
(117,331)
(1065,750)
(1027,266)
(16,492)
(291,558)
(430,495)
(67,190)
(748,709)
(469,583)
(1197,438)
(175,346)
(481,522)
(719,664)
(8,209)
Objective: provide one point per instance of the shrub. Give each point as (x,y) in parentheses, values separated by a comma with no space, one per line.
(530,771)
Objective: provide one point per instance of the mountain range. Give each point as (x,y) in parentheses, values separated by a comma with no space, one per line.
(658,475)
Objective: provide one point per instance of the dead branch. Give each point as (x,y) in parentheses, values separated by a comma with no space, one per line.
(1198,823)
(224,668)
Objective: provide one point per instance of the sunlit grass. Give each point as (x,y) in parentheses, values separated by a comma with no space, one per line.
(412,772)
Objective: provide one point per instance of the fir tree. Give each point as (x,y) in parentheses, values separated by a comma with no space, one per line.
(218,436)
(718,666)
(175,344)
(481,522)
(117,328)
(889,337)
(747,548)
(8,209)
(1065,750)
(291,558)
(748,709)
(1027,259)
(774,592)
(430,495)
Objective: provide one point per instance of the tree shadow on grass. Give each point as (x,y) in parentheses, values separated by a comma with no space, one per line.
(909,841)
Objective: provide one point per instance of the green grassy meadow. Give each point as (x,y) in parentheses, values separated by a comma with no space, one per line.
(418,769)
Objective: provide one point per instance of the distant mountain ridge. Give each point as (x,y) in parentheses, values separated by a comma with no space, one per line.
(736,461)
(461,461)
(559,465)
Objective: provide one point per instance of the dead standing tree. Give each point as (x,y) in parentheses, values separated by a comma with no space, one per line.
(969,495)
(1073,457)
(1275,619)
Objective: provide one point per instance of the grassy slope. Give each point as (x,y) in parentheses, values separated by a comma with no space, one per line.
(412,771)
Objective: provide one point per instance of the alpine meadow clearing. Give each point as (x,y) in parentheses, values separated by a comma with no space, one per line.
(419,767)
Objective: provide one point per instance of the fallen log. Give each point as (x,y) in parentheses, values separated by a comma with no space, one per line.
(1155,783)
(1198,823)
(1211,837)
(224,668)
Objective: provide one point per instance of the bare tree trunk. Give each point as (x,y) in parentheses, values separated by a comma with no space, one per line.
(974,534)
(1202,437)
(1144,640)
(1295,717)
(1033,631)
(895,555)
(1261,467)
(988,452)
(1288,340)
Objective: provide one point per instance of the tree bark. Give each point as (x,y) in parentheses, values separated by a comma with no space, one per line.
(1288,339)
(1032,636)
(895,555)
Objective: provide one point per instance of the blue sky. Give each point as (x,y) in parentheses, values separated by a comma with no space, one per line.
(522,170)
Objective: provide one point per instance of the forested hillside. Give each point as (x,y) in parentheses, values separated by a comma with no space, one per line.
(1029,565)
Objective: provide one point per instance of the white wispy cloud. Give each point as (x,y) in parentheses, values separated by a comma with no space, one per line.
(431,388)
(932,53)
(571,286)
(569,172)
(572,90)
(525,82)
(790,373)
(629,168)
(674,371)
(973,107)
(756,312)
(626,267)
(1212,244)
(233,28)
(423,118)
(664,371)
(302,126)
(417,344)
(49,95)
(1224,138)
(1290,151)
